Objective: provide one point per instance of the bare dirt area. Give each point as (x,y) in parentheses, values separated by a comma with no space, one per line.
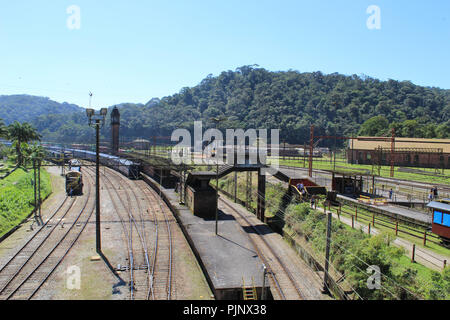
(131,213)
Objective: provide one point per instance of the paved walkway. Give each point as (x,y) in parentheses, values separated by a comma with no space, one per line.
(424,256)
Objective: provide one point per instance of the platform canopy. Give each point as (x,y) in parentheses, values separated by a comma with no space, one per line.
(439,205)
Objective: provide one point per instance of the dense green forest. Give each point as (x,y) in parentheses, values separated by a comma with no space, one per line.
(25,108)
(252,97)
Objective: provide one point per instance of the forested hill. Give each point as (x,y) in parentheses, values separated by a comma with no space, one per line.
(253,97)
(292,101)
(25,108)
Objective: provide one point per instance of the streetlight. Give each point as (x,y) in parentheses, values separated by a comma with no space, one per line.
(99,121)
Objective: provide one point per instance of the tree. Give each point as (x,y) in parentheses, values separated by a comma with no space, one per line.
(440,285)
(443,130)
(256,98)
(411,128)
(375,251)
(34,153)
(3,129)
(375,126)
(20,135)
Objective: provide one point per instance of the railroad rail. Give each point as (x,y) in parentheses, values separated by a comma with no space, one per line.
(40,260)
(131,239)
(158,271)
(162,258)
(279,273)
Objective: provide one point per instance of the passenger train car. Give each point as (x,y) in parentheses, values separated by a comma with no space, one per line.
(441,219)
(128,168)
(58,156)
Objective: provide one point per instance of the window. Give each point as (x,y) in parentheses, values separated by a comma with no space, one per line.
(408,158)
(437,217)
(446,220)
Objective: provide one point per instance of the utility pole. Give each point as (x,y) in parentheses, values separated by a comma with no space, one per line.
(39,189)
(35,192)
(311,148)
(63,161)
(217,121)
(327,254)
(334,158)
(392,152)
(217,190)
(263,294)
(235,186)
(97,189)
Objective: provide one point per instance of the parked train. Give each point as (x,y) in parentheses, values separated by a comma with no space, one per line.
(128,168)
(58,156)
(75,164)
(74,182)
(441,219)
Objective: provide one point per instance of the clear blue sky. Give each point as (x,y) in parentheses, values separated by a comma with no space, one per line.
(131,51)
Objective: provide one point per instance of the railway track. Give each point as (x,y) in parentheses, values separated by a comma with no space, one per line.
(27,271)
(148,278)
(162,263)
(279,273)
(131,239)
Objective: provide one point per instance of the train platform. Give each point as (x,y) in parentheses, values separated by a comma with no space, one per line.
(395,211)
(227,258)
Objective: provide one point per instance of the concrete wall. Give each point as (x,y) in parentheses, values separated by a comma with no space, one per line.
(168,180)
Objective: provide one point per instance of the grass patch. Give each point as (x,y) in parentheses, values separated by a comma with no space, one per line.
(17,197)
(365,217)
(6,166)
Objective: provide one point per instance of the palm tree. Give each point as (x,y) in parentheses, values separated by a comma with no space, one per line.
(3,129)
(36,155)
(20,135)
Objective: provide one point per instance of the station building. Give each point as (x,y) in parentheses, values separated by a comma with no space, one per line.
(408,152)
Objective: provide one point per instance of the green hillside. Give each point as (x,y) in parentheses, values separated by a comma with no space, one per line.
(25,108)
(253,97)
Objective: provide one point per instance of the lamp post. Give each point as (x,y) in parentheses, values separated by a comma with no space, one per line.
(97,121)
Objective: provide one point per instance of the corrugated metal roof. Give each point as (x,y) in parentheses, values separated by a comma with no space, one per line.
(402,143)
(439,205)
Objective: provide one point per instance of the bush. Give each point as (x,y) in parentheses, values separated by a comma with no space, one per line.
(17,197)
(440,283)
(352,252)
